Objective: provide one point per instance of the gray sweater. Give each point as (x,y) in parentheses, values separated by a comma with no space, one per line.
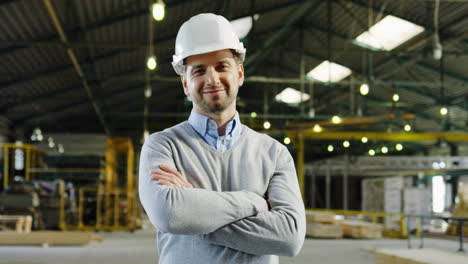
(225,218)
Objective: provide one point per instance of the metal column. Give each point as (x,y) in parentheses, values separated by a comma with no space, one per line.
(327,186)
(345,182)
(300,162)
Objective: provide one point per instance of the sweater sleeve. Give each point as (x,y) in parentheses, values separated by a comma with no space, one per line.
(188,210)
(280,231)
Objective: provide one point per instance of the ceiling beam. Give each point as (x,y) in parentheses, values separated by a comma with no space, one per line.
(113,54)
(262,52)
(138,13)
(49,95)
(94,101)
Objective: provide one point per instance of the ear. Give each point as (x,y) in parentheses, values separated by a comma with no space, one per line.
(241,74)
(184,84)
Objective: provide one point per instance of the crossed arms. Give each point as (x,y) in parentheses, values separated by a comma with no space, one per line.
(240,220)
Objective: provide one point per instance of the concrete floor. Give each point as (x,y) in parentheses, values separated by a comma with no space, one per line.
(140,248)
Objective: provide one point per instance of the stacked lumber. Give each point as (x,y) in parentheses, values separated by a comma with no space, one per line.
(323,225)
(418,256)
(460,210)
(361,229)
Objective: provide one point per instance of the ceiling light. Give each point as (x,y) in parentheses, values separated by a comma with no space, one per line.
(371,152)
(287,140)
(158,10)
(146,134)
(407,127)
(33,137)
(443,111)
(40,137)
(266,125)
(242,26)
(291,96)
(148,91)
(399,147)
(364,140)
(364,89)
(317,128)
(396,97)
(384,149)
(60,148)
(336,119)
(442,165)
(330,148)
(253,115)
(51,142)
(346,144)
(151,63)
(388,34)
(329,72)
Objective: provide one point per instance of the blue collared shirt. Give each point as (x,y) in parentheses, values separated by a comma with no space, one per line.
(207,129)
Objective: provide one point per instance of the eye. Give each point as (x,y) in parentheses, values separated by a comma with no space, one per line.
(222,67)
(198,72)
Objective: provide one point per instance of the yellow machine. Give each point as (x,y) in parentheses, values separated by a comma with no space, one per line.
(116,201)
(114,196)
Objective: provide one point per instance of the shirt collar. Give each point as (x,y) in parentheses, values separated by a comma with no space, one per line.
(201,124)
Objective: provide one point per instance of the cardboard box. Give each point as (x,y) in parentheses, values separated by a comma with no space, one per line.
(417,201)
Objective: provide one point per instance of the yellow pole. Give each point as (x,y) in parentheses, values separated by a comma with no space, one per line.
(403,227)
(130,183)
(6,167)
(300,163)
(62,225)
(110,169)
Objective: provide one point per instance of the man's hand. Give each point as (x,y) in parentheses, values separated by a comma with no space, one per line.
(170,177)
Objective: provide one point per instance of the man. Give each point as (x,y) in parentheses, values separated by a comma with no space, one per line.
(217,191)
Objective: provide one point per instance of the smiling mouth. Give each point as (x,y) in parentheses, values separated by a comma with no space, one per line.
(213,91)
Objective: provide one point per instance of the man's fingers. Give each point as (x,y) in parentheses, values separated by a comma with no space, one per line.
(156,175)
(171,170)
(170,179)
(167,174)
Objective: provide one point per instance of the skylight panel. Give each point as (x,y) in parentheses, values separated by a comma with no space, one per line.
(329,72)
(388,33)
(242,26)
(292,96)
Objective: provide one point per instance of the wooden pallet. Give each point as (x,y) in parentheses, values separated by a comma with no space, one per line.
(22,223)
(319,230)
(320,217)
(48,238)
(361,229)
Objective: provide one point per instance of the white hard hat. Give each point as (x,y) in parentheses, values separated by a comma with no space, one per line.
(204,33)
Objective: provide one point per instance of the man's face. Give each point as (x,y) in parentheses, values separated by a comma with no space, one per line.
(212,81)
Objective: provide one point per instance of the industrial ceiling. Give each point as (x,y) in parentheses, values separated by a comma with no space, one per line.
(79,66)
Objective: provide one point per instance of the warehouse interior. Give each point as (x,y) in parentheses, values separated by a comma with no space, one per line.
(369,96)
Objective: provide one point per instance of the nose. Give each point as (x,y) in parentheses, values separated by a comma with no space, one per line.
(212,77)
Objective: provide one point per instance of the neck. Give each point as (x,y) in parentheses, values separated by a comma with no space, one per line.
(221,119)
